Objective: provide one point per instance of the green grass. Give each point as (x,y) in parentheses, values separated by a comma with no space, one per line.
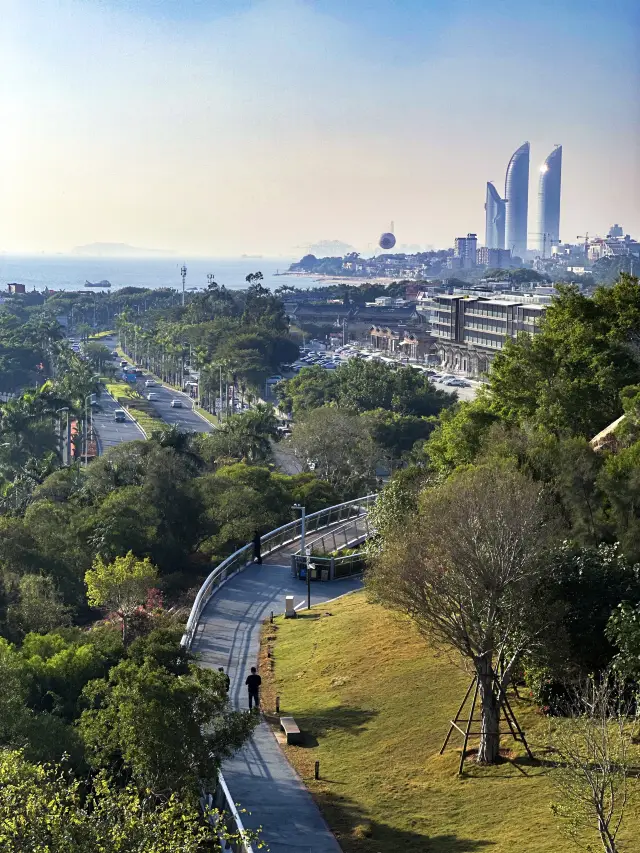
(98,335)
(140,409)
(374,702)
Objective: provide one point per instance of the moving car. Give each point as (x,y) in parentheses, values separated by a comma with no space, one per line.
(176,404)
(120,416)
(149,383)
(152,396)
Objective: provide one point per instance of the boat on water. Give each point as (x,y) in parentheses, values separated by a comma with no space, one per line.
(103,283)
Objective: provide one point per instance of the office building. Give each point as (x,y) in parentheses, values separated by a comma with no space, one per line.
(470,330)
(615,231)
(497,259)
(516,192)
(466,248)
(548,232)
(494,218)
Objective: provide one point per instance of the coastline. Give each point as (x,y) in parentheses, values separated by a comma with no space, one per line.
(323,278)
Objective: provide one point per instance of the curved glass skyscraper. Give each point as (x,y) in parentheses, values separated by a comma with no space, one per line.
(494,219)
(549,202)
(516,192)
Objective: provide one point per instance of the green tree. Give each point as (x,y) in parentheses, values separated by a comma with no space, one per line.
(44,810)
(39,607)
(170,731)
(121,586)
(568,377)
(339,446)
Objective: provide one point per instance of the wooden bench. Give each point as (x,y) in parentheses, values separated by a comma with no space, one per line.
(290,728)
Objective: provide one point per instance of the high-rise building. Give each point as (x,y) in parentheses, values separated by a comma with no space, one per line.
(516,196)
(494,218)
(466,249)
(548,233)
(616,231)
(494,258)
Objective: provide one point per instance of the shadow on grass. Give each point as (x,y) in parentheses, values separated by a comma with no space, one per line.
(358,833)
(342,718)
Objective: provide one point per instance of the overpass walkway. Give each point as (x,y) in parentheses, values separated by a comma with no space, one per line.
(259,777)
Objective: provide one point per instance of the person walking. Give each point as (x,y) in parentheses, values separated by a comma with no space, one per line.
(257,557)
(227,680)
(253,683)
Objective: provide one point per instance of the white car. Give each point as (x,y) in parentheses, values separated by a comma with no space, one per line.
(176,404)
(149,383)
(152,396)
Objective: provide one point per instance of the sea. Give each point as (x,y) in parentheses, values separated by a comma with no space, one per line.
(60,272)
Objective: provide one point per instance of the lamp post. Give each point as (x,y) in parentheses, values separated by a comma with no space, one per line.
(303,549)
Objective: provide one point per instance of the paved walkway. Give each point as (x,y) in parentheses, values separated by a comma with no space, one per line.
(259,777)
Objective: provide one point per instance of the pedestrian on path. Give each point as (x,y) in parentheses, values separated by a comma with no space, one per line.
(257,557)
(227,680)
(253,683)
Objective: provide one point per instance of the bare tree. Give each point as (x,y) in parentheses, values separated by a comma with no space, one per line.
(464,569)
(594,749)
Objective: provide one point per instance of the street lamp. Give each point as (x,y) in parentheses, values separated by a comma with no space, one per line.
(304,550)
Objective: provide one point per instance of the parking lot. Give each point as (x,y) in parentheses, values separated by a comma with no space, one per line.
(466,389)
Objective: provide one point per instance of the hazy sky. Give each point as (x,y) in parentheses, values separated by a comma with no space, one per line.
(227,126)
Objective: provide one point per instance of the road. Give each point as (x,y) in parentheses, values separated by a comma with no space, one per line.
(185,417)
(108,431)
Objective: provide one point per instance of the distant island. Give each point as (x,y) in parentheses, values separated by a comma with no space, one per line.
(116,250)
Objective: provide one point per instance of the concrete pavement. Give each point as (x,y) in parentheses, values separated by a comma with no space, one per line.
(259,776)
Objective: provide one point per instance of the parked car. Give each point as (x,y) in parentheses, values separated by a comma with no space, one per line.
(176,404)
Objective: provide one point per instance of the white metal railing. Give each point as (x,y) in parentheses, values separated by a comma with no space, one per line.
(341,537)
(232,565)
(270,542)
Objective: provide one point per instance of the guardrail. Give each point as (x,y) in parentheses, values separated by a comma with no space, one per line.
(270,542)
(341,537)
(232,565)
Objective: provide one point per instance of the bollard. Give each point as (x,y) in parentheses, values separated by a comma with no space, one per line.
(317,770)
(272,617)
(277,704)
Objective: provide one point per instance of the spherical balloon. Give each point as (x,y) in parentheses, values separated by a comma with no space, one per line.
(387,240)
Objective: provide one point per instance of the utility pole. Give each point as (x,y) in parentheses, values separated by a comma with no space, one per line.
(220,409)
(183,273)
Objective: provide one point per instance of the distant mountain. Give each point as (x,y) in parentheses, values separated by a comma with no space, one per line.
(116,250)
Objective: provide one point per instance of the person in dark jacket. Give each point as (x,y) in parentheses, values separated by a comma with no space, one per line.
(253,683)
(257,557)
(227,680)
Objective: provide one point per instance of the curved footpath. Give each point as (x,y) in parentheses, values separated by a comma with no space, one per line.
(259,777)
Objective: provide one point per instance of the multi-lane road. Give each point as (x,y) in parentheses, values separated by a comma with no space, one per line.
(108,431)
(111,433)
(184,417)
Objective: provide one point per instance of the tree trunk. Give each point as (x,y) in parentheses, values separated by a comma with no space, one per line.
(489,749)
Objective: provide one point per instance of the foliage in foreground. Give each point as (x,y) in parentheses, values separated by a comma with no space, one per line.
(45,810)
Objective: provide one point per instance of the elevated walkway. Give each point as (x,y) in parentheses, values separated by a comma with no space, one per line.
(224,628)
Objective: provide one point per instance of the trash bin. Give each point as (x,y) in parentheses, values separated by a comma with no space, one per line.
(324,574)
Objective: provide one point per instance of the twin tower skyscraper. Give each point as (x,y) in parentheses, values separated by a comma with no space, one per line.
(507,218)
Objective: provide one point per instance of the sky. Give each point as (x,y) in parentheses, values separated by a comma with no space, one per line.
(222,127)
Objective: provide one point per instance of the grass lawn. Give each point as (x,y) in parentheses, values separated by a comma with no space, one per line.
(141,409)
(98,335)
(374,702)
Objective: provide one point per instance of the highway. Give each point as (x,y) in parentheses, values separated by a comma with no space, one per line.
(108,431)
(185,418)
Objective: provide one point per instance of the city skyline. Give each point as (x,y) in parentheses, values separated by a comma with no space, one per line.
(261,126)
